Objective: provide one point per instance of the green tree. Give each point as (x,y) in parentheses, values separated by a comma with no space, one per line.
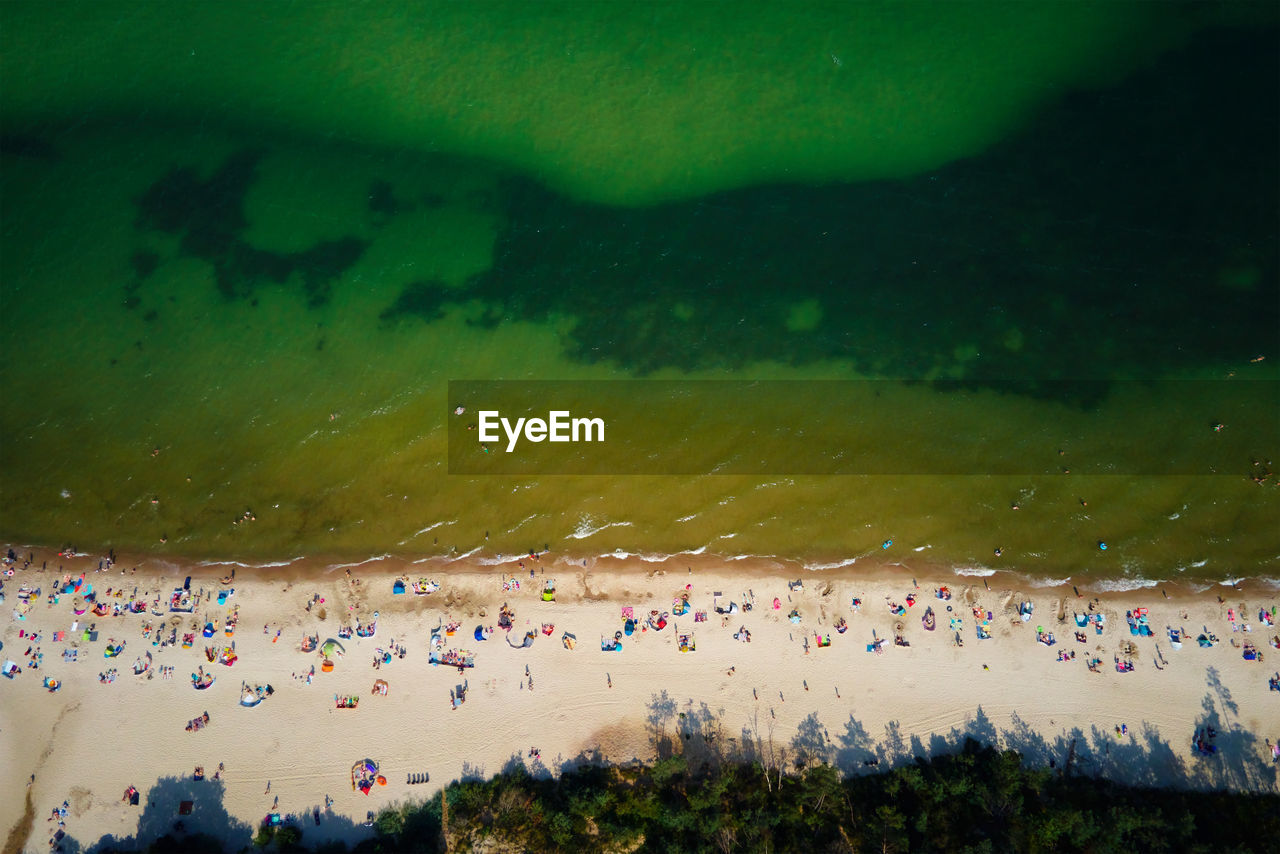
(289,838)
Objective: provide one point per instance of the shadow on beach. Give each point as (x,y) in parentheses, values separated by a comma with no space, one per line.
(1141,756)
(189,816)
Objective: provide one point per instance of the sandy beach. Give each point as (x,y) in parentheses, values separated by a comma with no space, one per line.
(799,689)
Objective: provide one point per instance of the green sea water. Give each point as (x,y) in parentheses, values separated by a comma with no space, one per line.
(245,248)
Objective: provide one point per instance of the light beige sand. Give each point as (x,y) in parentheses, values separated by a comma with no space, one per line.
(88,742)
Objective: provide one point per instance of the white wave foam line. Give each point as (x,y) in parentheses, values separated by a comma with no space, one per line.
(585,530)
(433,526)
(427,529)
(786,482)
(816,567)
(617,554)
(523,522)
(499,560)
(1268,581)
(464,555)
(728,536)
(307,438)
(1049,582)
(1123,585)
(979,571)
(250,565)
(373,559)
(688,518)
(921,548)
(659,558)
(1230,582)
(750,557)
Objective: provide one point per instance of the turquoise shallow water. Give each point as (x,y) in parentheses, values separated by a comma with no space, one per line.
(237,306)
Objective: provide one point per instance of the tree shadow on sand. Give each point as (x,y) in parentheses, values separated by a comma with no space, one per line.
(662,712)
(472,771)
(1140,756)
(1239,761)
(206,827)
(532,764)
(166,825)
(703,736)
(812,743)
